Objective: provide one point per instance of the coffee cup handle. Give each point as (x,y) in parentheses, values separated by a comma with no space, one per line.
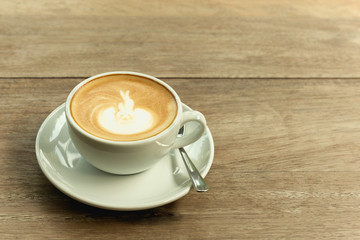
(191,136)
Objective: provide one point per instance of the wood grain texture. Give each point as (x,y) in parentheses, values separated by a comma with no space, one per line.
(278,82)
(212,38)
(286,165)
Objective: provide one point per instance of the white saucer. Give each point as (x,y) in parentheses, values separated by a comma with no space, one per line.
(166,182)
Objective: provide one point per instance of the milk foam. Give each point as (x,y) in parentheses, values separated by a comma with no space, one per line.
(125,119)
(123,107)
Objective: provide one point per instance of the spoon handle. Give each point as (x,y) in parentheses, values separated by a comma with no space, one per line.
(198,181)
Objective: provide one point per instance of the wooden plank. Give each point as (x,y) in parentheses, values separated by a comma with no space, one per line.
(256,205)
(180,39)
(286,165)
(258,125)
(321,8)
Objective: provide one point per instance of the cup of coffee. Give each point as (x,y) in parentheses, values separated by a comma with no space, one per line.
(125,122)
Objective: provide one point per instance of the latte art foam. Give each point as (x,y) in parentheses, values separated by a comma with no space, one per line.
(123,107)
(125,119)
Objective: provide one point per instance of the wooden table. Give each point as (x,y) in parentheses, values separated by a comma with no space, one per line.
(279,84)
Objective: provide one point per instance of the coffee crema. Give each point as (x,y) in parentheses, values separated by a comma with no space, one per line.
(123,107)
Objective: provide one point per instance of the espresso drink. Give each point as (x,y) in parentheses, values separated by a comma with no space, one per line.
(123,107)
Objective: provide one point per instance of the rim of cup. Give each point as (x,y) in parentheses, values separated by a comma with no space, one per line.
(113,142)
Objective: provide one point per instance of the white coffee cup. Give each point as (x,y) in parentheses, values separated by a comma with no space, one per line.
(129,157)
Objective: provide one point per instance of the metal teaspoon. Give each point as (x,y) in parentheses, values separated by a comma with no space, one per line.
(197,180)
